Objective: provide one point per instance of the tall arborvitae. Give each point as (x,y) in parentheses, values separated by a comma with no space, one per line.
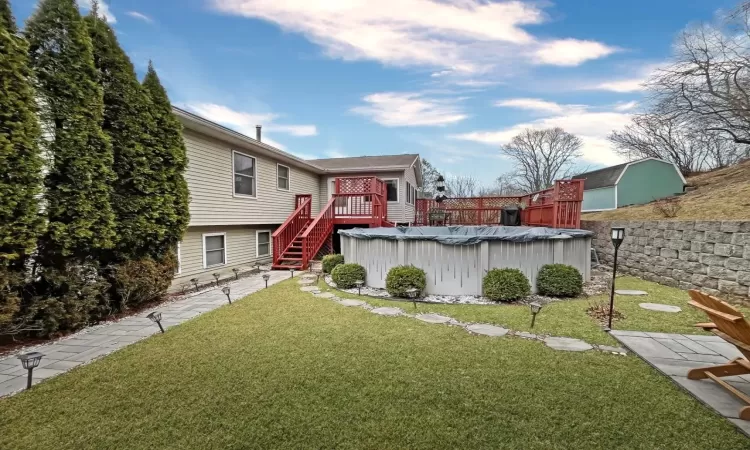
(136,195)
(20,164)
(80,219)
(171,162)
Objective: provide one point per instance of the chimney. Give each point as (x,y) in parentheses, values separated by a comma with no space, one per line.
(257,133)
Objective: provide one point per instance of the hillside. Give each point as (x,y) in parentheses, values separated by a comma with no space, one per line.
(723,194)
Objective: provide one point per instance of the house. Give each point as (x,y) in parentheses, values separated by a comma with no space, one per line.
(243,190)
(633,183)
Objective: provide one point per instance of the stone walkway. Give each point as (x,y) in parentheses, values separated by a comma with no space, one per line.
(307,284)
(94,342)
(675,354)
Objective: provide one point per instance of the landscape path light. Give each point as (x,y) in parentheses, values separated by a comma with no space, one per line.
(618,235)
(216,277)
(535,308)
(236,273)
(156,317)
(30,361)
(359,284)
(413,293)
(291,271)
(266,278)
(226,291)
(195,283)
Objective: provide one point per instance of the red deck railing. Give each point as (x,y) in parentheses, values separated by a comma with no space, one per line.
(556,207)
(294,224)
(318,232)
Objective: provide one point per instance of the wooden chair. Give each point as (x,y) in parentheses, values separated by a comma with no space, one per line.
(729,324)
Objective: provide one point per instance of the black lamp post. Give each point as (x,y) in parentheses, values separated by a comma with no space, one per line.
(535,308)
(617,235)
(265,278)
(359,284)
(225,290)
(236,273)
(29,361)
(413,293)
(195,283)
(156,317)
(216,277)
(291,271)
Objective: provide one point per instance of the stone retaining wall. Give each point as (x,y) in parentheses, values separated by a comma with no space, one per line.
(711,256)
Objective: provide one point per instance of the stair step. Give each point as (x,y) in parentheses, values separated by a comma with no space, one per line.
(290,259)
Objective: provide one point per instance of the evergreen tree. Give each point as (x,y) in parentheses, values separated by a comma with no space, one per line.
(20,164)
(80,219)
(136,195)
(170,162)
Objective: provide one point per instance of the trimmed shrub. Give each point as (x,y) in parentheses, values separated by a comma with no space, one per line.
(506,285)
(331,261)
(559,280)
(402,278)
(142,281)
(344,275)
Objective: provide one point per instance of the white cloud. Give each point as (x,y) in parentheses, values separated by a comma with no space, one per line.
(592,127)
(103,10)
(571,52)
(245,122)
(140,16)
(336,154)
(538,105)
(461,36)
(626,106)
(622,86)
(409,109)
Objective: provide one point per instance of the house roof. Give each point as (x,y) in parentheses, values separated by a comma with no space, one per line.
(610,176)
(370,163)
(332,165)
(601,178)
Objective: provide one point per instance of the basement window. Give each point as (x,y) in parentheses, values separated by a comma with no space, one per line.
(214,249)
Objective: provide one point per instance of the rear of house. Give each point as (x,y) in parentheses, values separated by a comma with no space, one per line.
(242,190)
(633,183)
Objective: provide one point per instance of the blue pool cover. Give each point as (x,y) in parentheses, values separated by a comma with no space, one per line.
(463,235)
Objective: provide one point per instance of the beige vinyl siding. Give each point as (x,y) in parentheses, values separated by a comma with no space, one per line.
(239,244)
(395,210)
(211,182)
(410,176)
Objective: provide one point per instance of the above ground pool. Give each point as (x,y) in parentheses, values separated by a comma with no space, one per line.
(456,259)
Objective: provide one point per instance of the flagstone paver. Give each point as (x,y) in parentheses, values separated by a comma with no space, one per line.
(386,311)
(487,330)
(676,354)
(433,318)
(567,344)
(660,307)
(97,341)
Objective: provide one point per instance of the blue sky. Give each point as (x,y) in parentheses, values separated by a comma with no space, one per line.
(449,79)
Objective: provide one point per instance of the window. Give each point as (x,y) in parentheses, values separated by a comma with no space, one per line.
(263,243)
(214,249)
(391,187)
(244,174)
(282,177)
(409,193)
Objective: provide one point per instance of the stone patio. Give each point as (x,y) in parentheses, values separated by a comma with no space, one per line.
(97,341)
(675,354)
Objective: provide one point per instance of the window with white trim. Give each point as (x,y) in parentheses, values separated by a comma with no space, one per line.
(409,193)
(263,243)
(282,177)
(244,174)
(214,249)
(391,190)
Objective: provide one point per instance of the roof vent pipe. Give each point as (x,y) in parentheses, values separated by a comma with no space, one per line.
(257,133)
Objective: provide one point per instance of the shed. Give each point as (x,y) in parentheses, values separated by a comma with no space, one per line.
(633,183)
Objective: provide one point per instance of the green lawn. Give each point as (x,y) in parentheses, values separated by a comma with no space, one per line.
(568,318)
(282,369)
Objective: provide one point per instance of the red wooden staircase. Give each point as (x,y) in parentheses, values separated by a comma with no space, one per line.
(356,200)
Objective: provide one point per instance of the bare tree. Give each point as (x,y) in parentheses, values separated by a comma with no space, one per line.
(542,156)
(708,83)
(675,139)
(461,186)
(504,186)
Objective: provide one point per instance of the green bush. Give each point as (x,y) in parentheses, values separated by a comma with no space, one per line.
(506,285)
(344,275)
(331,261)
(402,278)
(142,281)
(559,280)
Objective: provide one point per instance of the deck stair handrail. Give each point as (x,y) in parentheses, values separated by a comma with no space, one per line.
(319,231)
(293,226)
